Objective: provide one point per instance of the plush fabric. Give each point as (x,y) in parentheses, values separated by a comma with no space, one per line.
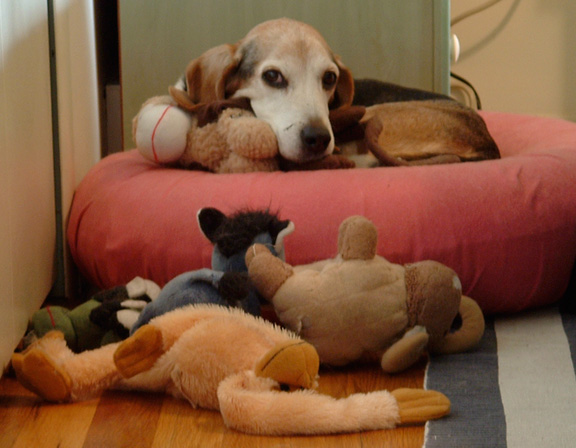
(393,313)
(221,359)
(507,227)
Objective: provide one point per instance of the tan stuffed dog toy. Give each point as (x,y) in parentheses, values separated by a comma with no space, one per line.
(359,305)
(221,137)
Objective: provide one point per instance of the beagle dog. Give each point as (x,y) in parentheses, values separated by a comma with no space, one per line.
(291,77)
(293,81)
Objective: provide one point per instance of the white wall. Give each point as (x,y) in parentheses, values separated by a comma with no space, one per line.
(78,115)
(27,193)
(27,223)
(520,55)
(77,92)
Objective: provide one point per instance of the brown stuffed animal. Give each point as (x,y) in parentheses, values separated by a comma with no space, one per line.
(222,137)
(360,306)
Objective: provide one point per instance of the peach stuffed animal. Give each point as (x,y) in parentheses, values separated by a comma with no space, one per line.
(359,305)
(222,359)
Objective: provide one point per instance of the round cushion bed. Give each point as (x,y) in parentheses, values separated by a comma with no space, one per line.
(507,227)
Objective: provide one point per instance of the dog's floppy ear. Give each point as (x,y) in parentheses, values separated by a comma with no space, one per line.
(206,76)
(345,87)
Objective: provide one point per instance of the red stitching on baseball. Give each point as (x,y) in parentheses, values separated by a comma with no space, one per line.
(154,134)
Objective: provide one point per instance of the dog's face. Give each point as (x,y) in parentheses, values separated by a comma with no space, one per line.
(291,77)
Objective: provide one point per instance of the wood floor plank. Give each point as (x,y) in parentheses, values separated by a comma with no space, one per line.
(364,379)
(125,420)
(180,425)
(27,421)
(16,406)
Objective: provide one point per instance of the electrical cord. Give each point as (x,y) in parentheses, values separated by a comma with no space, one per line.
(473,11)
(458,19)
(469,84)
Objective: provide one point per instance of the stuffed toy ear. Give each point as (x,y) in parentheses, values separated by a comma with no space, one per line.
(209,220)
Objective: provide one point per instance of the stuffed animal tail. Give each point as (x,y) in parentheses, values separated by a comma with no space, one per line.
(251,404)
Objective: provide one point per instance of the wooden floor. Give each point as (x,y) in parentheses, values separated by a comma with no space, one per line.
(137,420)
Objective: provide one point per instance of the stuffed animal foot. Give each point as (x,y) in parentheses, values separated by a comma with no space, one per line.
(39,373)
(294,363)
(406,351)
(419,405)
(139,352)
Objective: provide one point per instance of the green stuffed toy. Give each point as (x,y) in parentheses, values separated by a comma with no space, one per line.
(106,317)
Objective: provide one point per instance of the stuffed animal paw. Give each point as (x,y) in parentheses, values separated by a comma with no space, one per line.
(38,369)
(419,406)
(140,352)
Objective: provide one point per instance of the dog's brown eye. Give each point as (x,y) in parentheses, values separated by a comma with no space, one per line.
(274,79)
(329,80)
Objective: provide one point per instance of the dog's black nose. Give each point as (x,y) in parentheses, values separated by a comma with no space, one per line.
(315,138)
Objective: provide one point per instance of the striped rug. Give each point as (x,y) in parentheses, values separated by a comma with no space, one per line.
(517,390)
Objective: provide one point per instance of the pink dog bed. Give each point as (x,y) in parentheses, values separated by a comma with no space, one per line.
(508,227)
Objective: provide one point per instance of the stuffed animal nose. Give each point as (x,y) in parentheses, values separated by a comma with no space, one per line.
(315,138)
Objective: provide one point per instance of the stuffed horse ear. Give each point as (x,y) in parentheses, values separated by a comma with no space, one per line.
(209,221)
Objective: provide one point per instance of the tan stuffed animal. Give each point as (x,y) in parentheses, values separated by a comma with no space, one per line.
(222,359)
(221,137)
(359,305)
